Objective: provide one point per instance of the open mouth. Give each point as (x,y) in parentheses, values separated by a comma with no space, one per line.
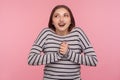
(61,24)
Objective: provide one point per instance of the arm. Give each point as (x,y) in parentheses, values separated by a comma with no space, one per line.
(35,56)
(88,57)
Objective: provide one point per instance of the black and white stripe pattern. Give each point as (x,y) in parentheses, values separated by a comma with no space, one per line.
(59,66)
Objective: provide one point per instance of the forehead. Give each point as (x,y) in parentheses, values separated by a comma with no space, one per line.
(61,10)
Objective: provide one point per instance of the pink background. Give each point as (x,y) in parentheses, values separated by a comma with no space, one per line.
(22,20)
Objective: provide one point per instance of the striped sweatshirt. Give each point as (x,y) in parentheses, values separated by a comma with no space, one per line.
(58,66)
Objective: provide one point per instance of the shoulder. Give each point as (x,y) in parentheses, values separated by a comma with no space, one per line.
(45,30)
(80,32)
(78,29)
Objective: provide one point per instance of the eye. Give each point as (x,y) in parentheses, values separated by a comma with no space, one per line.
(66,15)
(56,15)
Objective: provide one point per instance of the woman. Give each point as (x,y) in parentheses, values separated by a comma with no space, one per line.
(65,47)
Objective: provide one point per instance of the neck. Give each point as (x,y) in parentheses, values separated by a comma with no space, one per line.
(62,33)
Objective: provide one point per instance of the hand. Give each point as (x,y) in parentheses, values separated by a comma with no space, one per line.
(63,48)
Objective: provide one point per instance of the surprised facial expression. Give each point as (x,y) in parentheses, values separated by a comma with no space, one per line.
(61,19)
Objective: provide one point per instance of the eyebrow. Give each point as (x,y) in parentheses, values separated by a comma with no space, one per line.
(67,13)
(58,13)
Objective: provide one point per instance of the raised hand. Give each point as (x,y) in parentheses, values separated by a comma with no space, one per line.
(63,48)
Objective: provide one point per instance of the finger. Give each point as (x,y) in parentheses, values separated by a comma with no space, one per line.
(61,51)
(62,47)
(64,44)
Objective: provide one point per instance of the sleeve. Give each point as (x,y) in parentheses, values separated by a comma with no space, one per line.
(36,57)
(88,57)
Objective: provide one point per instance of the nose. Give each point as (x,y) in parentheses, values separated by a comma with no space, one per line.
(61,18)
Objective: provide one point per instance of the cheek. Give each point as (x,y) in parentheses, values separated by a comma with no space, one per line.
(69,21)
(54,22)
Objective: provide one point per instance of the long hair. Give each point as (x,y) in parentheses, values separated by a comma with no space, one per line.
(50,25)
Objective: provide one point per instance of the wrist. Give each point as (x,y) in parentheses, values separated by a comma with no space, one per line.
(67,52)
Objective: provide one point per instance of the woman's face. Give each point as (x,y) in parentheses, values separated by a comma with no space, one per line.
(61,19)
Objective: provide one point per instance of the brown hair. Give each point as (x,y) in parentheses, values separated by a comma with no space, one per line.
(50,25)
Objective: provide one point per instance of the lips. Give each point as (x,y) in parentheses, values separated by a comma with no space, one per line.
(61,24)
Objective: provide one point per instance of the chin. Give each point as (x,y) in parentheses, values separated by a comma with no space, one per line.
(62,29)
